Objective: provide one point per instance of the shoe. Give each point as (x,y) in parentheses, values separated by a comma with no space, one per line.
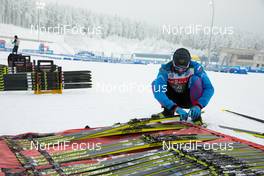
(198,121)
(165,113)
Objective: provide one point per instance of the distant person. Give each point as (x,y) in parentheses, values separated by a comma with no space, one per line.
(16,43)
(182,84)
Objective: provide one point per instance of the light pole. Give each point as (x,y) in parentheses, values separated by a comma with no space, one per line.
(212,4)
(39,5)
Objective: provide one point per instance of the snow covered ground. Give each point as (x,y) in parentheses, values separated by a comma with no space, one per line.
(122,92)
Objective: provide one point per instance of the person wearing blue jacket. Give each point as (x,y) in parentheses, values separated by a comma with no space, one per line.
(182,84)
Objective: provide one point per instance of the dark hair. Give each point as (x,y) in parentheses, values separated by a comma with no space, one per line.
(16,37)
(181,57)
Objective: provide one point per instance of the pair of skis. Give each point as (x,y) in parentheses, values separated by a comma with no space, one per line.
(241,160)
(254,133)
(140,143)
(181,163)
(133,126)
(129,145)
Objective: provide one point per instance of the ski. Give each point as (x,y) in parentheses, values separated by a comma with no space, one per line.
(254,133)
(24,160)
(76,86)
(140,129)
(218,163)
(122,146)
(132,124)
(160,162)
(157,167)
(136,125)
(245,116)
(128,163)
(242,159)
(86,72)
(144,142)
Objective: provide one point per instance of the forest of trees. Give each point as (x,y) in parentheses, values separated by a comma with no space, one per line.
(24,13)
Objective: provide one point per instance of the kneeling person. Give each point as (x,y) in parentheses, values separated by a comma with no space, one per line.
(187,87)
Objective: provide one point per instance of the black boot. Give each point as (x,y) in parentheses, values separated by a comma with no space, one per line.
(199,121)
(165,113)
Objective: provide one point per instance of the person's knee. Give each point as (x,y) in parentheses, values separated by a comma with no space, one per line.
(195,81)
(196,88)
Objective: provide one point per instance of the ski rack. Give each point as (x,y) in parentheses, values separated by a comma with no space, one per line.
(3,71)
(18,63)
(41,80)
(41,77)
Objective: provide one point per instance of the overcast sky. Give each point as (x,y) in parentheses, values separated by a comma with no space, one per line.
(246,15)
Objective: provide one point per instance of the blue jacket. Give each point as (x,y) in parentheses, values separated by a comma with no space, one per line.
(162,78)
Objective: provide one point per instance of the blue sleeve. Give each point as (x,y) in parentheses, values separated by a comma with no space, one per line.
(159,88)
(208,89)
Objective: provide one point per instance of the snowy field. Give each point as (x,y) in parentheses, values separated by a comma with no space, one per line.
(122,92)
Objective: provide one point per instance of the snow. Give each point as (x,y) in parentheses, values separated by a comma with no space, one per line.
(121,92)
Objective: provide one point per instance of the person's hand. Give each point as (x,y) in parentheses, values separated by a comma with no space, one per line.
(183,114)
(195,112)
